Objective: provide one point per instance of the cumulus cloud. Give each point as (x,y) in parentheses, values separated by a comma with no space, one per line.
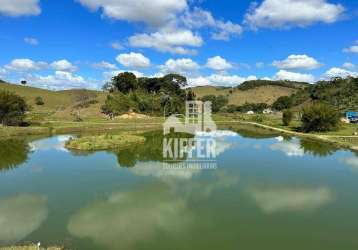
(63,65)
(297,62)
(290,13)
(21,215)
(218,63)
(15,8)
(291,199)
(339,72)
(219,80)
(24,64)
(109,74)
(184,66)
(61,80)
(155,12)
(175,42)
(293,76)
(104,65)
(133,60)
(199,18)
(31,41)
(352,49)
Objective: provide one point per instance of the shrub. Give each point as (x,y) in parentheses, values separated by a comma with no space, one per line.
(218,102)
(283,102)
(12,108)
(39,101)
(320,117)
(287,116)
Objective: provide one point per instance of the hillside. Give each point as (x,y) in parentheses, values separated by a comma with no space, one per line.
(341,93)
(59,104)
(253,91)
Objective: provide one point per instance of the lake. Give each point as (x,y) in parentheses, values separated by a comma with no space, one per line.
(267,192)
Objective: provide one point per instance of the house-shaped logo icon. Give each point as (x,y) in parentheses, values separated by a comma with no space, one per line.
(197,119)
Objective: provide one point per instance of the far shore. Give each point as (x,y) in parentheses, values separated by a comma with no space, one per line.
(58,127)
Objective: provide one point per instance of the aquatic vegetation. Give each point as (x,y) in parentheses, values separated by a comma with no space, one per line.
(103,142)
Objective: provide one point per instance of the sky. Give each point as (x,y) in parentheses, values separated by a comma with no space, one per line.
(68,44)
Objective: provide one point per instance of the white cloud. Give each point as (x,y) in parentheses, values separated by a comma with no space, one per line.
(218,63)
(297,62)
(219,80)
(168,41)
(104,65)
(290,13)
(2,72)
(24,64)
(17,8)
(352,49)
(199,18)
(348,65)
(339,72)
(117,45)
(63,65)
(109,74)
(292,76)
(185,66)
(155,12)
(61,80)
(31,41)
(133,60)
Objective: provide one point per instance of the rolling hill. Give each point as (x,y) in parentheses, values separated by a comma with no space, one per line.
(60,104)
(259,91)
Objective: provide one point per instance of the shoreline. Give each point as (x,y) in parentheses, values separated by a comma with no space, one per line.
(348,142)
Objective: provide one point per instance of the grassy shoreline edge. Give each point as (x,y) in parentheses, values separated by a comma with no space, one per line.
(348,142)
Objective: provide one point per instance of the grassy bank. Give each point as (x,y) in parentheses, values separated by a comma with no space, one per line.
(30,247)
(103,142)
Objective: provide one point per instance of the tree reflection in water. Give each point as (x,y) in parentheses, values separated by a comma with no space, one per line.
(13,152)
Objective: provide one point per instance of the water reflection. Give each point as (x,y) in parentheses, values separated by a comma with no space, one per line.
(317,148)
(131,217)
(300,147)
(13,152)
(21,215)
(291,199)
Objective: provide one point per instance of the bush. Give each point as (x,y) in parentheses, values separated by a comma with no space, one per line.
(218,102)
(283,102)
(12,108)
(39,101)
(320,117)
(287,116)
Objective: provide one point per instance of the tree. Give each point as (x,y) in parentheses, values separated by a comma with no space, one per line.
(12,108)
(23,82)
(124,82)
(39,101)
(320,117)
(283,102)
(287,116)
(217,102)
(116,104)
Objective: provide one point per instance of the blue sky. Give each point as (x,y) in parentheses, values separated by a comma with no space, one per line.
(82,43)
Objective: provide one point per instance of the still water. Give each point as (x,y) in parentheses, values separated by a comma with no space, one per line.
(268,192)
